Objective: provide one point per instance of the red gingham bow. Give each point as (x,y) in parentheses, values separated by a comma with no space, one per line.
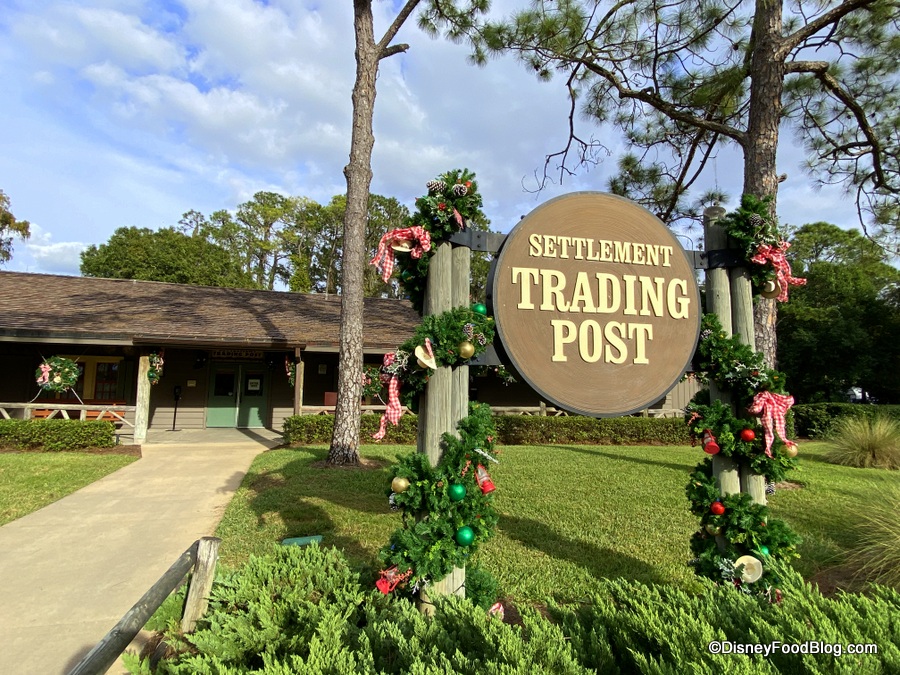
(393,411)
(384,256)
(775,255)
(771,409)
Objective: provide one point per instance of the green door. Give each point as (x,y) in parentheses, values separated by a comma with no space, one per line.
(252,404)
(237,396)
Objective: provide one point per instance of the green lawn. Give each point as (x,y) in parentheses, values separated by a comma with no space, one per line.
(32,480)
(569,514)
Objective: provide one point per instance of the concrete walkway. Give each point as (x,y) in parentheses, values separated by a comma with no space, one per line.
(71,570)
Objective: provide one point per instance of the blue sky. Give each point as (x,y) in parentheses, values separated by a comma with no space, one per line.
(132,112)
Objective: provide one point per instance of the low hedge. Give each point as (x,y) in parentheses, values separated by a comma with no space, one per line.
(511,430)
(816,420)
(304,610)
(55,435)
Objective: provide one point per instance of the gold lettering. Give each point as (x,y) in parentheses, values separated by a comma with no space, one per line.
(623,252)
(579,245)
(564,243)
(534,248)
(666,251)
(553,282)
(518,274)
(679,307)
(609,293)
(614,332)
(605,250)
(582,294)
(591,255)
(638,254)
(549,246)
(653,254)
(643,332)
(590,341)
(652,296)
(563,333)
(630,308)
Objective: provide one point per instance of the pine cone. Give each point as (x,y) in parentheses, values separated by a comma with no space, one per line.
(436,186)
(460,190)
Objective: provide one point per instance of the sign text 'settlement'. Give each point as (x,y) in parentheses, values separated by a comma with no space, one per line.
(596,304)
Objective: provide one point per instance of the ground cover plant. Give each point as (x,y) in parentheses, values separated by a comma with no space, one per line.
(569,515)
(30,481)
(305,610)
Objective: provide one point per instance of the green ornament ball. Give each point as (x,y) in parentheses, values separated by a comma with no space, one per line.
(406,275)
(457,492)
(465,536)
(479,308)
(764,550)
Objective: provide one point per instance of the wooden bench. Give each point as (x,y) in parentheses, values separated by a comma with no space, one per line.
(115,413)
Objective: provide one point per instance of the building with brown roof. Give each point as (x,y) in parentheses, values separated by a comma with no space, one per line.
(225,350)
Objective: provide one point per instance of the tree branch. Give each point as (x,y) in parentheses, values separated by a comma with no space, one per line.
(393,49)
(383,49)
(789,42)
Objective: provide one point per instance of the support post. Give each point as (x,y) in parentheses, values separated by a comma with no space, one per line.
(446,397)
(142,404)
(300,368)
(201,583)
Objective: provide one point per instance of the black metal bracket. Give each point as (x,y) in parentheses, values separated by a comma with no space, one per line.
(723,257)
(488,357)
(477,240)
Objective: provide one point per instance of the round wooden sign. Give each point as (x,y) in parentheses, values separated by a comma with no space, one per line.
(596,304)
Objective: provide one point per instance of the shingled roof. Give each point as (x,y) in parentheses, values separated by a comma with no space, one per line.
(40,307)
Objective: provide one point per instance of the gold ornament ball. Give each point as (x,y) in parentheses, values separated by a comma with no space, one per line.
(399,484)
(790,450)
(713,529)
(466,349)
(771,289)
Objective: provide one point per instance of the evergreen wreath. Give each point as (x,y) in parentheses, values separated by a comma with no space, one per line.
(290,369)
(428,546)
(745,529)
(371,381)
(742,526)
(156,366)
(751,226)
(57,374)
(447,332)
(452,200)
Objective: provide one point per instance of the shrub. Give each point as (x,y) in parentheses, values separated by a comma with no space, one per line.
(55,435)
(511,430)
(817,420)
(866,443)
(878,555)
(301,610)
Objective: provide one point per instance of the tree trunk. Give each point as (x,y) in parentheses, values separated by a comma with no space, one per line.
(760,169)
(358,172)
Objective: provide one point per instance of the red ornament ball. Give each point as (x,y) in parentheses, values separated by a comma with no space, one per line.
(748,435)
(717,508)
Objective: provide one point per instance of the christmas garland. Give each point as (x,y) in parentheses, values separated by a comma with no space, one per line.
(57,374)
(452,200)
(763,246)
(290,369)
(156,366)
(746,531)
(737,541)
(447,509)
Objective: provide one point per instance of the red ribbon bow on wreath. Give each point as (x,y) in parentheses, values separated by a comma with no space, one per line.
(384,256)
(393,411)
(775,255)
(771,409)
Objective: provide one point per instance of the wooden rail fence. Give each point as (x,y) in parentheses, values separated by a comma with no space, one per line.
(201,558)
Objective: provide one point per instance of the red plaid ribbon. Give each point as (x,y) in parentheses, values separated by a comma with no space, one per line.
(393,411)
(771,409)
(384,256)
(775,255)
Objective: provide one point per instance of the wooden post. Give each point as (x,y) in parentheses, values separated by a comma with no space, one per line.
(142,404)
(718,301)
(201,583)
(300,368)
(441,406)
